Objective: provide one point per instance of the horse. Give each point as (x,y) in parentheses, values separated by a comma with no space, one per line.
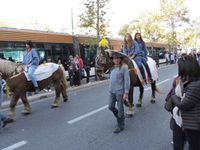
(15,77)
(104,63)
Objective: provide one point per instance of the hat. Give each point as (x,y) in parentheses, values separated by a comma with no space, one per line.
(116,55)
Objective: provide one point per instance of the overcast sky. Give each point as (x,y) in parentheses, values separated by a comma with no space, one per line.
(57,13)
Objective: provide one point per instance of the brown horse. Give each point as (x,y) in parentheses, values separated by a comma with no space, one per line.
(104,63)
(18,85)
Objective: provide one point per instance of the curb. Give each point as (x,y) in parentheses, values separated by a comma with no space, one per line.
(52,93)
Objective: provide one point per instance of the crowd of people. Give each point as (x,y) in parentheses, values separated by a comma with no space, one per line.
(183,100)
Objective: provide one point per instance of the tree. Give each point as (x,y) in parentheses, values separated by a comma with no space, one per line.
(148,24)
(174,14)
(94,17)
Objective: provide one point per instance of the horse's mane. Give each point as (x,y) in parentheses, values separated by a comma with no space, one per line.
(7,67)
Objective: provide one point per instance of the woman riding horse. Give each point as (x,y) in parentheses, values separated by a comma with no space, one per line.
(104,63)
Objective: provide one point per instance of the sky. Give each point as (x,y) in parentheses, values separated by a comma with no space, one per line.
(57,13)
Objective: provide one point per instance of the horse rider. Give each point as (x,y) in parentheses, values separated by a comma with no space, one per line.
(131,48)
(143,49)
(31,60)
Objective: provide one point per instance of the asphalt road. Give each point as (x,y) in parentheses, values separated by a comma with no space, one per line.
(85,123)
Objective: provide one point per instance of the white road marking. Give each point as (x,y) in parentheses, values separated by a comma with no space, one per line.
(159,83)
(167,66)
(102,108)
(87,115)
(14,146)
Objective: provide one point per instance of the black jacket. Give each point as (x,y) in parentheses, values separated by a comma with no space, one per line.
(190,106)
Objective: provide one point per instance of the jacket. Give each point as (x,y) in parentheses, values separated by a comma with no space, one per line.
(190,106)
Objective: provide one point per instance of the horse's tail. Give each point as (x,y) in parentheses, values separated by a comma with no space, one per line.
(63,80)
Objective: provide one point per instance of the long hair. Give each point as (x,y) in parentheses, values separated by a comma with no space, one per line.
(188,68)
(141,39)
(130,40)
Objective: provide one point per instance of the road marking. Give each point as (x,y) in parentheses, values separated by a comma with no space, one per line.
(14,146)
(87,115)
(159,83)
(167,66)
(102,108)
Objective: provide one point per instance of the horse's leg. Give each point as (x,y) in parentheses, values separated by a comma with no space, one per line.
(27,107)
(13,102)
(64,90)
(130,111)
(56,102)
(64,94)
(153,88)
(139,104)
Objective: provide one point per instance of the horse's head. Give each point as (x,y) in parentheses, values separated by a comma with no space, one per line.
(103,62)
(9,68)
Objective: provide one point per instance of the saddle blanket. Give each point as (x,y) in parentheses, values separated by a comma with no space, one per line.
(43,71)
(152,67)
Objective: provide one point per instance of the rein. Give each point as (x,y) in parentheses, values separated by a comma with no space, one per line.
(14,72)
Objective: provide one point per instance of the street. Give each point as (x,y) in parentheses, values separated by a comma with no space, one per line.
(85,123)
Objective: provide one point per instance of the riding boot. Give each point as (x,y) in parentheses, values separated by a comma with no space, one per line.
(120,125)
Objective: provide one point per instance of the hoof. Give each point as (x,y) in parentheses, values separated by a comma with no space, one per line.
(54,106)
(11,115)
(138,105)
(26,113)
(129,115)
(65,100)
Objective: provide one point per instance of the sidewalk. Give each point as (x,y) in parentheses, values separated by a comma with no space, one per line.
(44,94)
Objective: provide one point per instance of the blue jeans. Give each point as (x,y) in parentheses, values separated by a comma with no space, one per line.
(138,61)
(144,62)
(31,71)
(118,113)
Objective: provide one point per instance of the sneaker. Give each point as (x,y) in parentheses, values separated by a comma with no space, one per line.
(7,121)
(118,130)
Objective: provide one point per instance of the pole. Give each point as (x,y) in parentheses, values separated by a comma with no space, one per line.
(72,21)
(97,19)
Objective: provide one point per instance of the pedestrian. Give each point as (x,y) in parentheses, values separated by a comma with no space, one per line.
(143,54)
(77,76)
(179,139)
(3,119)
(131,49)
(31,60)
(87,69)
(189,103)
(119,88)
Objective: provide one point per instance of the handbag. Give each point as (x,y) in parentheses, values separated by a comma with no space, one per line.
(168,105)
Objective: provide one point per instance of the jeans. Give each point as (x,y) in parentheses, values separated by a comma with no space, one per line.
(144,62)
(118,113)
(31,71)
(138,61)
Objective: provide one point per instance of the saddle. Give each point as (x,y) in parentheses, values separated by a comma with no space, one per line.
(43,71)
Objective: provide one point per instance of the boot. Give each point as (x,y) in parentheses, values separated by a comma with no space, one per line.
(118,130)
